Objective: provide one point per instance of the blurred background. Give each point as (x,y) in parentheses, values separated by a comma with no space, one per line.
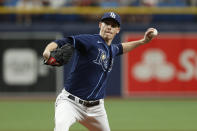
(152,88)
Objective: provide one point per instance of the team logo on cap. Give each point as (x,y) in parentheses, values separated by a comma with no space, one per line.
(113,15)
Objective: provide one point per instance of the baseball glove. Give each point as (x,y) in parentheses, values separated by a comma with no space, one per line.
(60,56)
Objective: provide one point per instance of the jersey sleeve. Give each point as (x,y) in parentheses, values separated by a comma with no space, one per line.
(82,42)
(117,49)
(63,41)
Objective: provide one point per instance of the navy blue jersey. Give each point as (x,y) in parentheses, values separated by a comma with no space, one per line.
(93,61)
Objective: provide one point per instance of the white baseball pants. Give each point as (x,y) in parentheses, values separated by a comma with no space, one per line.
(68,111)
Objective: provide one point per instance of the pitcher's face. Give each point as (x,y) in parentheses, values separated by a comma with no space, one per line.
(108,29)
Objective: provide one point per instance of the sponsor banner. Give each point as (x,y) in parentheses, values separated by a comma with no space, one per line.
(22,68)
(165,66)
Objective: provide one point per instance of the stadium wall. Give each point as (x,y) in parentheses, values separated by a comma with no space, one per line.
(115,83)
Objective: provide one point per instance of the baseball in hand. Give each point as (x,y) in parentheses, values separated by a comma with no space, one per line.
(154,33)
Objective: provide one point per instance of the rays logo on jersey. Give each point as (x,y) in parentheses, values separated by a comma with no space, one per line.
(103,60)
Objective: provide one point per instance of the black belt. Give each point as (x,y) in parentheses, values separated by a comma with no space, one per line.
(85,103)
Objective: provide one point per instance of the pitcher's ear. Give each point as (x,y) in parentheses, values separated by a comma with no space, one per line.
(118,30)
(100,24)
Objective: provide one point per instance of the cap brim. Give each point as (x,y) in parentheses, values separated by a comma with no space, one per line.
(111,19)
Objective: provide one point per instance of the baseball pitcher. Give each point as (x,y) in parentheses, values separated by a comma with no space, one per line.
(82,98)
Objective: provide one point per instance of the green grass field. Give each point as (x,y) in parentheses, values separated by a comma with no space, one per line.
(124,115)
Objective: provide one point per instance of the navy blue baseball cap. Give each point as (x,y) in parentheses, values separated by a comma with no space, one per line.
(112,15)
